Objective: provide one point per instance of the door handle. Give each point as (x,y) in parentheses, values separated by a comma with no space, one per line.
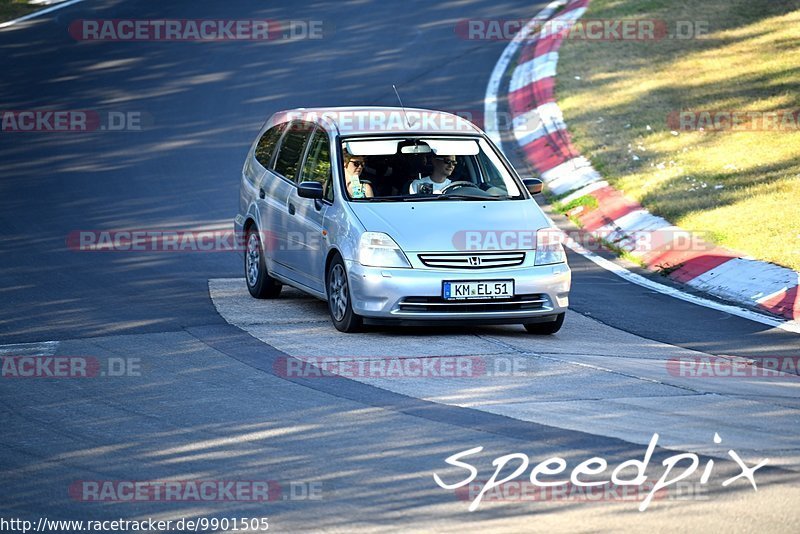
(291,209)
(261,193)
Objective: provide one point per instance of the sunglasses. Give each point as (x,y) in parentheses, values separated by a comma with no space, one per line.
(357,163)
(448,161)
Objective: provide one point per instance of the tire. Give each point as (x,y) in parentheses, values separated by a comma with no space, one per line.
(339,304)
(260,284)
(545,329)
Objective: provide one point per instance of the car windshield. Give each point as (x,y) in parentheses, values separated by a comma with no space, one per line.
(418,168)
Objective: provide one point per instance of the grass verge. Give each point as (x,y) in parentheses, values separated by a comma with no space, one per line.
(12,9)
(740,189)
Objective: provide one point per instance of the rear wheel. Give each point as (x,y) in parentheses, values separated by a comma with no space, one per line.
(260,284)
(339,305)
(545,329)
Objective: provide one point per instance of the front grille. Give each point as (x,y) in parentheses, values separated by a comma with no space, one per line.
(440,305)
(472,260)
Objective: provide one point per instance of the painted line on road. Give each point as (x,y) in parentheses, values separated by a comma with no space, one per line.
(617,375)
(242,345)
(789,326)
(593,367)
(38,13)
(42,348)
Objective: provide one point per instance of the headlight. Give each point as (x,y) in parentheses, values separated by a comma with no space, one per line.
(548,247)
(376,249)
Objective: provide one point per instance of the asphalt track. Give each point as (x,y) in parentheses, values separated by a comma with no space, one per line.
(207,405)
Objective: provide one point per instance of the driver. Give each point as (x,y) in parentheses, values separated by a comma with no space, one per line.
(443,167)
(357,187)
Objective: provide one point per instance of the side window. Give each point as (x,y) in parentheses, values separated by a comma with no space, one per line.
(490,173)
(317,167)
(266,145)
(292,146)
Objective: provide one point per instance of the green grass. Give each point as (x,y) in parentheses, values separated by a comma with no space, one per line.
(739,189)
(11,9)
(586,200)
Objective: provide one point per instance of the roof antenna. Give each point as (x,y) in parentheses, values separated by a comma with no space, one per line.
(408,122)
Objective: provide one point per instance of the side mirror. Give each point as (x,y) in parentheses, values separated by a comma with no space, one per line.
(310,190)
(533,185)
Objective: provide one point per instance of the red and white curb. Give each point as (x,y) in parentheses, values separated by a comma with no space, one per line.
(541,133)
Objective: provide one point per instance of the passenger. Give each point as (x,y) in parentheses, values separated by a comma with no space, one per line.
(353,167)
(443,167)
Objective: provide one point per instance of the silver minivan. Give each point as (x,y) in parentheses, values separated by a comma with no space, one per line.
(398,215)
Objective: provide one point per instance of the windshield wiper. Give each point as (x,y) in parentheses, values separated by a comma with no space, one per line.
(393,198)
(463,196)
(423,198)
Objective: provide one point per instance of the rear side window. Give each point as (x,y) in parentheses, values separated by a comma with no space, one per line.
(292,146)
(317,167)
(266,145)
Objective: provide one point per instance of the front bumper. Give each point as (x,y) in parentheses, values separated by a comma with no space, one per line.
(416,294)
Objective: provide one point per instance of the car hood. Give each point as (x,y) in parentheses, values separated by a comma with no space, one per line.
(441,225)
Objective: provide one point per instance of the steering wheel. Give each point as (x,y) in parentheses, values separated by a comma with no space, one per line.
(460,183)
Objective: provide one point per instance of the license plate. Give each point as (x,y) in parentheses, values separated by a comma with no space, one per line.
(489,289)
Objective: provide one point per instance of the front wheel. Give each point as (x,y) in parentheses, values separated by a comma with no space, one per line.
(546,329)
(339,305)
(260,284)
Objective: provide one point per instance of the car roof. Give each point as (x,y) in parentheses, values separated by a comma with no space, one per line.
(374,120)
